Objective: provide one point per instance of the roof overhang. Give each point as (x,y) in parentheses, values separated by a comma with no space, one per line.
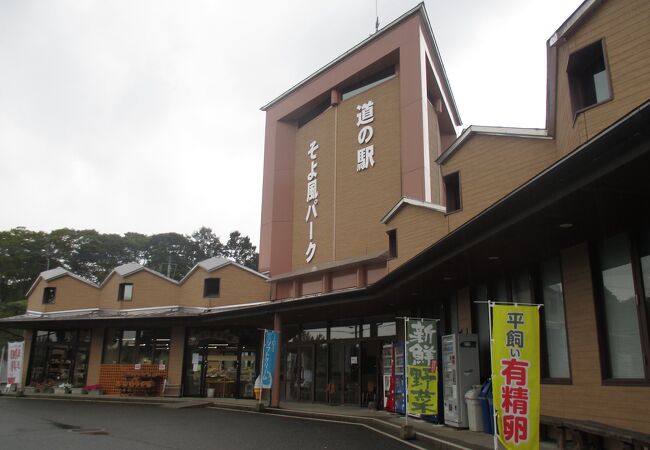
(413,202)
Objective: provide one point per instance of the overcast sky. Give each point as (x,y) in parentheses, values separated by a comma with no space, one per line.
(144,115)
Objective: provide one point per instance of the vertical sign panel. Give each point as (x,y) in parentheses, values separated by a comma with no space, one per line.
(15,362)
(421,366)
(515,374)
(269,355)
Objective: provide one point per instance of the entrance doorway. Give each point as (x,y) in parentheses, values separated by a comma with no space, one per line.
(299,377)
(218,369)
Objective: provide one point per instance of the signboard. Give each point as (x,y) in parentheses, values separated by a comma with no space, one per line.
(15,362)
(515,374)
(312,199)
(366,154)
(271,339)
(421,366)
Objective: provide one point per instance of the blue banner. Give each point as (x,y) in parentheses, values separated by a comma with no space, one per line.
(268,360)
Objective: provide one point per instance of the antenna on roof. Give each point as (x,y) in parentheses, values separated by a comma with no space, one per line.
(377,15)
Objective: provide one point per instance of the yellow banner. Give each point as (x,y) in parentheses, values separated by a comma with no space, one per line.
(515,374)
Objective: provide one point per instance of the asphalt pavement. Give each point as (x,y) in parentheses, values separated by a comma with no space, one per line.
(65,424)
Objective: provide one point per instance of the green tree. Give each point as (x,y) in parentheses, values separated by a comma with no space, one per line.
(241,249)
(22,258)
(207,244)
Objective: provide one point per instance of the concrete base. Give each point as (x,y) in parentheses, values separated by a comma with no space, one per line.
(407,432)
(259,407)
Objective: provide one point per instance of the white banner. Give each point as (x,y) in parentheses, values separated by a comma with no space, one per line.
(15,362)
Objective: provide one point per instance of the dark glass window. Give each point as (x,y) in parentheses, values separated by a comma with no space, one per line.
(128,349)
(211,287)
(314,332)
(557,348)
(143,346)
(392,243)
(452,191)
(621,310)
(49,295)
(588,79)
(125,292)
(59,357)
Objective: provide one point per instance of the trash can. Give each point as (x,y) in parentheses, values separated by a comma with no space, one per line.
(474,410)
(485,396)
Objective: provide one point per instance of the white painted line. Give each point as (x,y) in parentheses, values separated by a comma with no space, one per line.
(450,444)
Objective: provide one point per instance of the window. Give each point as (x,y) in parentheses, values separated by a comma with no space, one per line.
(452,191)
(553,321)
(368,83)
(144,346)
(49,295)
(125,292)
(392,243)
(211,287)
(623,262)
(588,78)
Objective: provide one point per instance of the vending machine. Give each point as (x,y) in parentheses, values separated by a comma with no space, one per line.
(388,376)
(460,371)
(400,377)
(393,377)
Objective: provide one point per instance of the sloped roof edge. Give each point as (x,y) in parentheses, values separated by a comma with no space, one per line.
(126,270)
(209,267)
(534,133)
(53,274)
(411,201)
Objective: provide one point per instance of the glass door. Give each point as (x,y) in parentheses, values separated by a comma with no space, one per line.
(299,374)
(351,373)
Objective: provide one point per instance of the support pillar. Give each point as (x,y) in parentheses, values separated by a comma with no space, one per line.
(275,389)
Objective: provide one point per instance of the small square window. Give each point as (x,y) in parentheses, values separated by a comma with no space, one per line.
(49,295)
(452,191)
(211,287)
(588,78)
(125,293)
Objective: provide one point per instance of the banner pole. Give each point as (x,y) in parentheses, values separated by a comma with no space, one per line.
(406,373)
(494,409)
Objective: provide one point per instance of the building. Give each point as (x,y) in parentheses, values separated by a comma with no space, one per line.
(374,208)
(87,334)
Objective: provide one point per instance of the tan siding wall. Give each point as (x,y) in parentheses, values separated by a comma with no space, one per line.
(362,198)
(491,167)
(587,398)
(417,229)
(148,291)
(322,131)
(624,26)
(237,286)
(70,294)
(95,356)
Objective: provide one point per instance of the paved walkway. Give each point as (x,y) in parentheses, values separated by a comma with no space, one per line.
(427,434)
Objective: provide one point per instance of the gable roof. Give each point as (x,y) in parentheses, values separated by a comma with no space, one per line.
(411,201)
(217,262)
(534,133)
(53,274)
(126,270)
(419,9)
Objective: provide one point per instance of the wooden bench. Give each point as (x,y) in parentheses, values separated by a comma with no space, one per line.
(589,435)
